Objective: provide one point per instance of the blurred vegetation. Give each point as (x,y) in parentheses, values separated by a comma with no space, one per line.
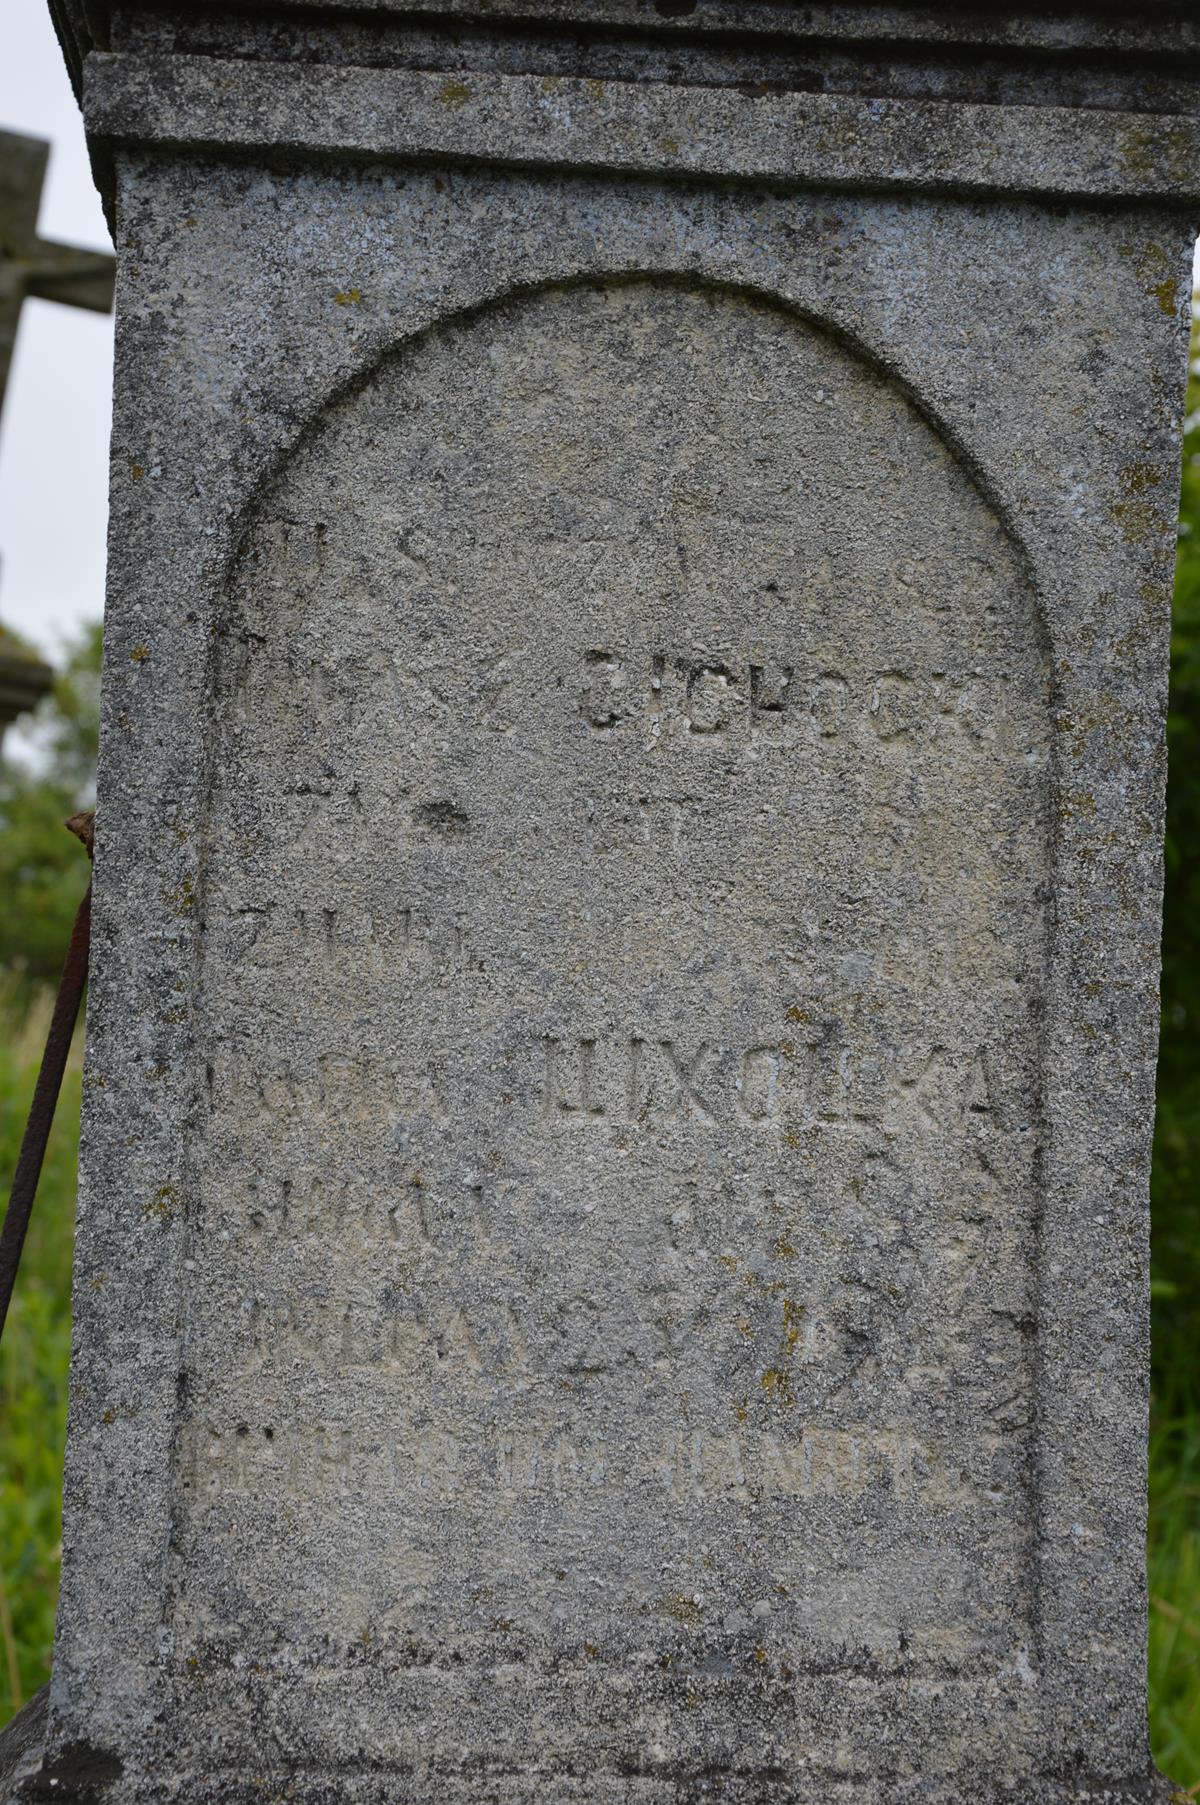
(42,876)
(1174,1554)
(33,1355)
(42,873)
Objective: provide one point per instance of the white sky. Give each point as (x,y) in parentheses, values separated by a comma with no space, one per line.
(55,426)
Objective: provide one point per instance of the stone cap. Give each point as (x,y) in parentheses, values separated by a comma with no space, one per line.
(1099,100)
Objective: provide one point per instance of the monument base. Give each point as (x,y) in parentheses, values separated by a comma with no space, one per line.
(82,1775)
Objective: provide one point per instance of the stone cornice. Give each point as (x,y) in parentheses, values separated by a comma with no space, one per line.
(834,141)
(1101,101)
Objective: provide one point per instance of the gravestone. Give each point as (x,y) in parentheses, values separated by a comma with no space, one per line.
(612,1248)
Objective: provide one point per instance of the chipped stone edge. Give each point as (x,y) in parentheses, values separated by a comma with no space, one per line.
(1160,26)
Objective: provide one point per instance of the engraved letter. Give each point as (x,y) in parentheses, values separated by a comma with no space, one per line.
(708,697)
(685,1076)
(602,691)
(766,697)
(556,1096)
(757,1082)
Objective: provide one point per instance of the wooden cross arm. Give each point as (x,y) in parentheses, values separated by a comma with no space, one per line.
(78,278)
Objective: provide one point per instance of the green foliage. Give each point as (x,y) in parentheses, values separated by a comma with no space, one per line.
(1174,1583)
(1174,1551)
(1177,1143)
(43,874)
(43,868)
(34,1353)
(71,716)
(1175,1444)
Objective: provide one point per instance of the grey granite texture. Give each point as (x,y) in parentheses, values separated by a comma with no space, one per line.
(613,1235)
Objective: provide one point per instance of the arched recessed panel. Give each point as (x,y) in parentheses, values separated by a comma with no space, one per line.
(621,1195)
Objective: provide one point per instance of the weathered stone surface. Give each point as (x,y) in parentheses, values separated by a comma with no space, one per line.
(624,1207)
(612,1252)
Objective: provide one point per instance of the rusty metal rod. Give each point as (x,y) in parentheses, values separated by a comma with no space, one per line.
(49,1083)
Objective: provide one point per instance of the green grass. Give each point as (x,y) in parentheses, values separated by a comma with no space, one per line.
(34,1354)
(1174,1551)
(1174,1555)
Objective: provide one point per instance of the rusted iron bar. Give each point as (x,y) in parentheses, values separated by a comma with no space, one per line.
(49,1083)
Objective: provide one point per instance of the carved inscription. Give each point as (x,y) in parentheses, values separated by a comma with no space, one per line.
(820,1079)
(615,1175)
(730,698)
(810,1081)
(817,1464)
(617,823)
(389,936)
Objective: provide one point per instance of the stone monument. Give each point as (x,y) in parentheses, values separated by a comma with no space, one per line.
(612,1249)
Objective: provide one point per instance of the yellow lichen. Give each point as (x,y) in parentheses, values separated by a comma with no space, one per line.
(162,1205)
(1166,294)
(684,1609)
(1137,520)
(1138,477)
(777,1385)
(183,900)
